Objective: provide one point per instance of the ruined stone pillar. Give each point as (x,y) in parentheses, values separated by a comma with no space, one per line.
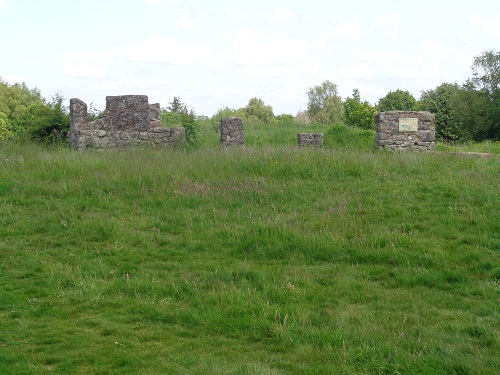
(231,132)
(312,140)
(79,118)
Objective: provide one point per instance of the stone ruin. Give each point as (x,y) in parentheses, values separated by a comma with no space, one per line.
(312,140)
(128,120)
(405,130)
(231,132)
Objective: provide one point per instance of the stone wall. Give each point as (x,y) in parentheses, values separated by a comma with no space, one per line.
(313,140)
(405,130)
(231,132)
(128,120)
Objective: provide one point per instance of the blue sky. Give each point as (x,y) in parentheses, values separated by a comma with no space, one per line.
(222,53)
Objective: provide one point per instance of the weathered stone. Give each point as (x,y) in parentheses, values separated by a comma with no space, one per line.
(312,140)
(393,137)
(128,120)
(231,132)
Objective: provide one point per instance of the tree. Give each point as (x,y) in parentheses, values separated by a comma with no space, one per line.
(442,102)
(177,114)
(324,104)
(486,71)
(46,122)
(15,101)
(398,100)
(357,113)
(5,132)
(486,79)
(177,106)
(257,111)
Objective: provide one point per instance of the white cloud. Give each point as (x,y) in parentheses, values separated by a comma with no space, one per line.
(94,57)
(83,70)
(389,20)
(390,26)
(281,15)
(160,49)
(159,2)
(347,30)
(486,27)
(112,85)
(187,24)
(86,64)
(12,78)
(277,55)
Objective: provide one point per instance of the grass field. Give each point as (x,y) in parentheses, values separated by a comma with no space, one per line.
(261,260)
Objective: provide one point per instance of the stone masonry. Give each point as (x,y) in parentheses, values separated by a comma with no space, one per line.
(313,140)
(231,132)
(405,130)
(128,120)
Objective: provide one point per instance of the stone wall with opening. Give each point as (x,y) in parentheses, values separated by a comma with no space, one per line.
(405,130)
(128,120)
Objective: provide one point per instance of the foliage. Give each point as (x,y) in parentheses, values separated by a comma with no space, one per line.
(45,122)
(486,71)
(15,101)
(324,104)
(398,100)
(257,111)
(5,132)
(442,102)
(354,137)
(177,114)
(302,117)
(358,113)
(472,113)
(285,119)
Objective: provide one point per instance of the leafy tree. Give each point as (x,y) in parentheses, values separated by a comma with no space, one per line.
(285,119)
(398,100)
(302,118)
(5,132)
(45,122)
(442,102)
(358,113)
(257,111)
(486,79)
(324,103)
(177,106)
(486,71)
(15,101)
(472,110)
(177,114)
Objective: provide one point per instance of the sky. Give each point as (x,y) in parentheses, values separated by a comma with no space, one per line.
(218,53)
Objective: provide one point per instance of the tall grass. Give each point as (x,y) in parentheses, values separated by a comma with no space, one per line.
(260,260)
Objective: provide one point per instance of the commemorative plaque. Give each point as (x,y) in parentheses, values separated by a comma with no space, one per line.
(408,124)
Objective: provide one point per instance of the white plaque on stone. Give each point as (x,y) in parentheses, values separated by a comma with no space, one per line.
(408,124)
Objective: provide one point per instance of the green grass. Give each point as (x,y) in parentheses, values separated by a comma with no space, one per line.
(261,260)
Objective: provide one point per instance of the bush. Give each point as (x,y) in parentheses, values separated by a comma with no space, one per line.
(176,114)
(5,132)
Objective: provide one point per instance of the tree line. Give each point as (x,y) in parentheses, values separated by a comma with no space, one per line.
(464,112)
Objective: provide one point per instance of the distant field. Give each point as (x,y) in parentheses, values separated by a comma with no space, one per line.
(264,260)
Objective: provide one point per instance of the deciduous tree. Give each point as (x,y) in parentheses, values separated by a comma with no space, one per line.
(324,104)
(358,113)
(398,100)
